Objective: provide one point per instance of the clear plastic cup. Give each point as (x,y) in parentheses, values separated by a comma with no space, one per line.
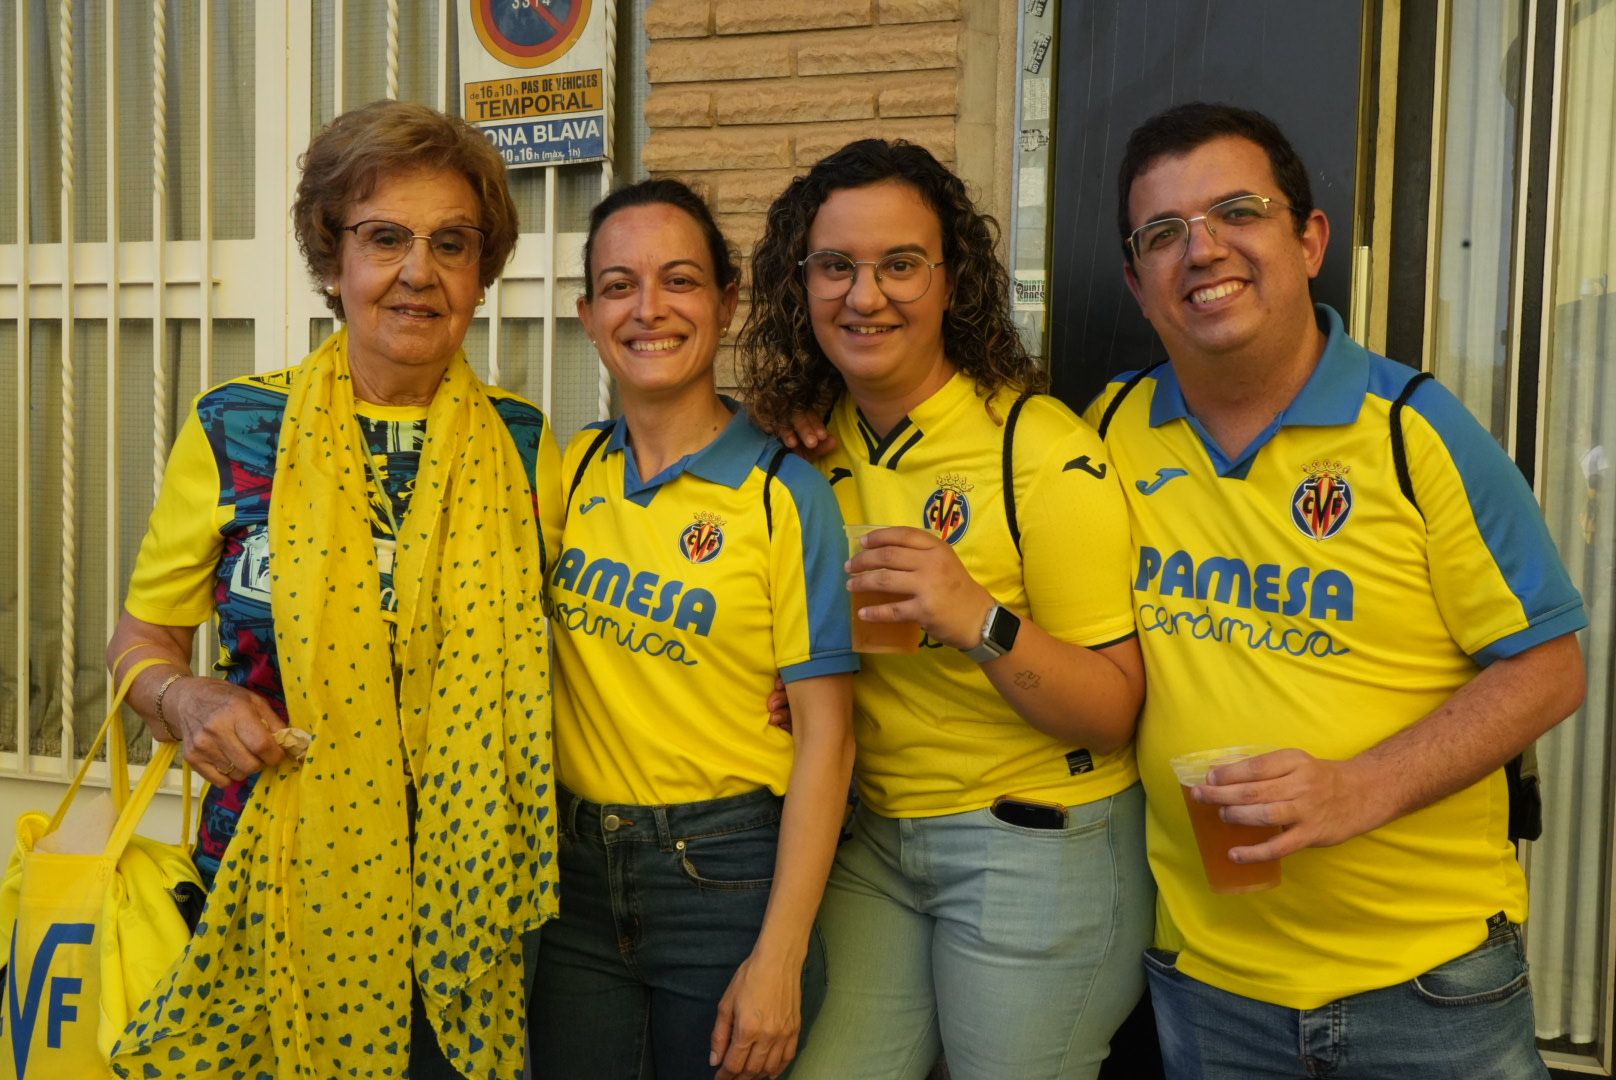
(1214,836)
(872,637)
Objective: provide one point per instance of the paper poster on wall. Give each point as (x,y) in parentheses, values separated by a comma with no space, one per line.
(1029,212)
(1030,292)
(534,77)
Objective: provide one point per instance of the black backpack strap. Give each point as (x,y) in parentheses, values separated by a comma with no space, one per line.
(1525,796)
(1127,388)
(768,480)
(1405,482)
(1010,470)
(583,462)
(1520,772)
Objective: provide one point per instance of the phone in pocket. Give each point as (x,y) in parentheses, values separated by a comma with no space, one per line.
(1029,813)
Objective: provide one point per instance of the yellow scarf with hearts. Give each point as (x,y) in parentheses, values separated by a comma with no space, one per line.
(323,912)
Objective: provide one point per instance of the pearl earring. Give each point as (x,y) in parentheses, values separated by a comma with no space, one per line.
(333,290)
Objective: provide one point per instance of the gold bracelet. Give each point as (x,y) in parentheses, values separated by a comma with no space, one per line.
(162,692)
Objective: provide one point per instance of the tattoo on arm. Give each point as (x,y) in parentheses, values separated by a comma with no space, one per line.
(1028,680)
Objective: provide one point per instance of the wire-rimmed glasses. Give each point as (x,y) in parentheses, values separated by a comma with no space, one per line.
(1166,240)
(454,246)
(903,276)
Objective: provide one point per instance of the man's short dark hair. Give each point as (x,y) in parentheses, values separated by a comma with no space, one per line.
(1183,128)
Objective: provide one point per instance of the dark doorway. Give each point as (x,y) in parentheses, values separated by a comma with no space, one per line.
(1121,63)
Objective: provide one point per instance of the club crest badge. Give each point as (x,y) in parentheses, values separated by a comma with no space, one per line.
(1322,502)
(703,538)
(948,510)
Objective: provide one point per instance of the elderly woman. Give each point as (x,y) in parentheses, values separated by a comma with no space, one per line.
(994,897)
(695,837)
(365,528)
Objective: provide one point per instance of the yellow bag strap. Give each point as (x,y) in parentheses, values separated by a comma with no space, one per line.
(118,749)
(111,727)
(132,807)
(120,775)
(138,802)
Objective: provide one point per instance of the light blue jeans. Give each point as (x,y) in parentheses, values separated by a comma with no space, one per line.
(1467,1019)
(1015,949)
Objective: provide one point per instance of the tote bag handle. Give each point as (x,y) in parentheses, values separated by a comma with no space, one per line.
(132,807)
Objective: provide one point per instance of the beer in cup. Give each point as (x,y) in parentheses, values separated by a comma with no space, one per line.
(873,637)
(1214,836)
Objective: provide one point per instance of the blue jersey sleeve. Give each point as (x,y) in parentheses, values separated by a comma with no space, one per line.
(1497,576)
(813,627)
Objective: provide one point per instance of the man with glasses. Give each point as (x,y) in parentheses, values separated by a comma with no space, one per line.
(1337,569)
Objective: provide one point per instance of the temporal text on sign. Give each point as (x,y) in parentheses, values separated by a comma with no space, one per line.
(541,95)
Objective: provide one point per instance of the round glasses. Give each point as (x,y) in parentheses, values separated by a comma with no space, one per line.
(903,277)
(455,246)
(1159,243)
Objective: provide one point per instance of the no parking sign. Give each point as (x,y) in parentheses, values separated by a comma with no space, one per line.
(536,77)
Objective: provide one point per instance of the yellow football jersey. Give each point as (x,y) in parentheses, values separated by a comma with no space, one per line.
(934,736)
(1294,597)
(673,604)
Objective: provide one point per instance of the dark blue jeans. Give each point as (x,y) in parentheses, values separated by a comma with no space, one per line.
(659,906)
(1467,1019)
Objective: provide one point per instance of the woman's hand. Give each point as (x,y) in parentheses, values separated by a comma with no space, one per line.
(779,706)
(227,731)
(808,436)
(759,1020)
(939,592)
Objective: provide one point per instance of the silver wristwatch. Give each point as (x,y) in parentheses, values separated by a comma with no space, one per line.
(998,634)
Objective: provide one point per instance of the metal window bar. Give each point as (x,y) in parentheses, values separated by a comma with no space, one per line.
(24,391)
(162,421)
(112,578)
(70,487)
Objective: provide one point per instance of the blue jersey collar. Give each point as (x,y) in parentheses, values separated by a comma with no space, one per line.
(727,460)
(1333,394)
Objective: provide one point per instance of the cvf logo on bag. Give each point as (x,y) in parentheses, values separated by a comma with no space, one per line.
(60,994)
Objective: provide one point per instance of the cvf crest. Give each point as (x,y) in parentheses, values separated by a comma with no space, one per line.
(948,510)
(703,538)
(1322,502)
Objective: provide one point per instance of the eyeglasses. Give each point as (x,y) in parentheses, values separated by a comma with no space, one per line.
(1159,243)
(455,246)
(902,277)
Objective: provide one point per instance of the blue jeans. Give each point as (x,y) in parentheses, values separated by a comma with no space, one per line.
(1016,949)
(659,906)
(1467,1019)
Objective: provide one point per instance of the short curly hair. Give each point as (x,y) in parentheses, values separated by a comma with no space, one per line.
(351,156)
(784,372)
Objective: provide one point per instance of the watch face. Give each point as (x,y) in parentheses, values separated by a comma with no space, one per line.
(1003,628)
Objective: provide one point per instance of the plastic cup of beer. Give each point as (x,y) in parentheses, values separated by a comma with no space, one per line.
(874,637)
(1214,836)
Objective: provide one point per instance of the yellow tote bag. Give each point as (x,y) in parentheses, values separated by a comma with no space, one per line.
(86,937)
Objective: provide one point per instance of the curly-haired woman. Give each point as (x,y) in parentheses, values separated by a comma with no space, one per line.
(994,898)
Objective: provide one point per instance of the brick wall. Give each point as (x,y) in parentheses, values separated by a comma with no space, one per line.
(746,94)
